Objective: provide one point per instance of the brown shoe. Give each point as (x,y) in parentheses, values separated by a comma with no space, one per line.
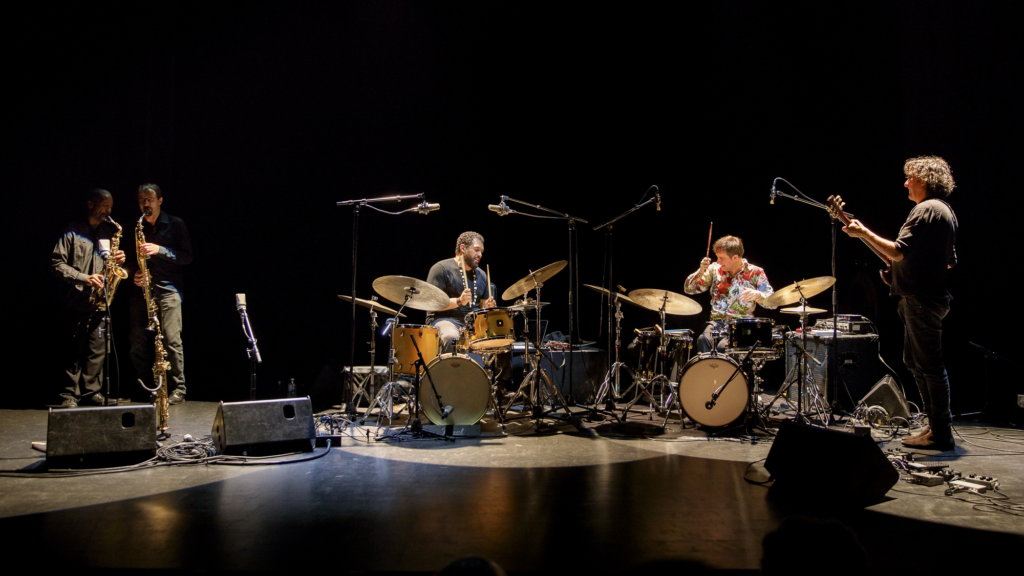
(922,432)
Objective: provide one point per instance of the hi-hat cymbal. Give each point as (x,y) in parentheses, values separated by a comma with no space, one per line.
(802,289)
(527,304)
(411,292)
(802,310)
(375,306)
(609,293)
(671,302)
(532,280)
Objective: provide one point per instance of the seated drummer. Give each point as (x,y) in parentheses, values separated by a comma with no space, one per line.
(736,287)
(466,285)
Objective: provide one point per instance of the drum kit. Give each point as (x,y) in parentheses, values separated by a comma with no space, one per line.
(454,388)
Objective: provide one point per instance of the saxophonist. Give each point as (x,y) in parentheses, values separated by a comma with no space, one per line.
(166,248)
(80,259)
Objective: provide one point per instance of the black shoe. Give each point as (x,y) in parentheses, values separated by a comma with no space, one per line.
(97,399)
(67,402)
(176,397)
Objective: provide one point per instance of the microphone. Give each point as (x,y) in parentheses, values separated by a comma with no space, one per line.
(500,209)
(446,411)
(772,201)
(105,248)
(240,302)
(387,328)
(427,207)
(657,199)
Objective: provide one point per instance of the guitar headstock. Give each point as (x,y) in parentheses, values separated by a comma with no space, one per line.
(835,208)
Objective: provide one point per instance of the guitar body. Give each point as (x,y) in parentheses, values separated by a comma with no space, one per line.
(835,208)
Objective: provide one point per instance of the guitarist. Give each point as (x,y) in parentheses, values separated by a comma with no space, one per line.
(922,255)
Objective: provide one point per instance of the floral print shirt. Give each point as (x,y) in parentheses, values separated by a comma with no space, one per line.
(725,289)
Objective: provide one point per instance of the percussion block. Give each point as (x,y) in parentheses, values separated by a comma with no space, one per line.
(818,467)
(889,396)
(264,427)
(102,435)
(857,366)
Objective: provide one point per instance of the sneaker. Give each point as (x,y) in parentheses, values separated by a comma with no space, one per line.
(96,399)
(67,402)
(176,397)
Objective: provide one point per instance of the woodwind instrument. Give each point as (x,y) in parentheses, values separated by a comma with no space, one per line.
(160,364)
(112,273)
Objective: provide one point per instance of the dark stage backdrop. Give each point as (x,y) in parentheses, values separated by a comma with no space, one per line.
(258,118)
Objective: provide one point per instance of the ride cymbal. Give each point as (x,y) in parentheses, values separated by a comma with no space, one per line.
(802,289)
(609,293)
(411,292)
(671,302)
(532,280)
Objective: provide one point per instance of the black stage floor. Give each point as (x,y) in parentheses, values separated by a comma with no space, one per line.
(569,489)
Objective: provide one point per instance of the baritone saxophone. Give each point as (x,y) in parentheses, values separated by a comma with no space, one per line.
(160,364)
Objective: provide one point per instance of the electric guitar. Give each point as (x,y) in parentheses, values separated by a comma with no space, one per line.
(835,209)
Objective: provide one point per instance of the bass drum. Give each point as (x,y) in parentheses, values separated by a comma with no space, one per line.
(460,383)
(703,377)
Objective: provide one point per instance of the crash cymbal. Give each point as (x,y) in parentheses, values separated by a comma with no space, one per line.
(802,310)
(609,293)
(411,292)
(673,303)
(804,288)
(376,307)
(532,280)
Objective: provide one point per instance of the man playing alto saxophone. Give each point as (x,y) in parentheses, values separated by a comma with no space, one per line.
(81,258)
(165,248)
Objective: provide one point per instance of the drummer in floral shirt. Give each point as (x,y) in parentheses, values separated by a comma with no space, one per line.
(736,287)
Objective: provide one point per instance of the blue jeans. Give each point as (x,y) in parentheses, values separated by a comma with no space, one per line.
(922,353)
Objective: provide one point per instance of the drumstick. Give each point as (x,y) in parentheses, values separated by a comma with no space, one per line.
(710,226)
(489,295)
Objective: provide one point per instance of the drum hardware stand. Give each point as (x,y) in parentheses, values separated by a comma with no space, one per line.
(385,398)
(641,384)
(803,374)
(494,389)
(360,388)
(414,426)
(610,385)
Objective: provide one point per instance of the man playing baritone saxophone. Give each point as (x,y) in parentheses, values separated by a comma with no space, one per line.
(165,249)
(81,258)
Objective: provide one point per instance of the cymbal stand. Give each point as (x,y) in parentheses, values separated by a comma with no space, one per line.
(414,426)
(530,390)
(608,392)
(371,379)
(803,376)
(384,401)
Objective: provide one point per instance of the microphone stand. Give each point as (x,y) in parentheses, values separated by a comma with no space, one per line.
(253,351)
(350,379)
(415,426)
(613,368)
(571,221)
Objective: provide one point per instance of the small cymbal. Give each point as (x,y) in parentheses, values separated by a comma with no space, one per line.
(802,310)
(531,280)
(376,307)
(527,304)
(672,302)
(609,293)
(411,292)
(802,289)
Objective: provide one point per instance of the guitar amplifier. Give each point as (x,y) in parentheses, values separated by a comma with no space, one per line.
(858,366)
(846,323)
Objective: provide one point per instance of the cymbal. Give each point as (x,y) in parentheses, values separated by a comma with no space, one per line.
(805,288)
(609,293)
(673,303)
(532,280)
(802,310)
(376,307)
(421,295)
(527,304)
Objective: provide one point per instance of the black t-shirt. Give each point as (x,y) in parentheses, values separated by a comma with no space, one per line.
(447,276)
(928,242)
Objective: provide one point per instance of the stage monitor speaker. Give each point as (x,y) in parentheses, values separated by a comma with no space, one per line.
(101,435)
(889,396)
(820,467)
(264,427)
(858,366)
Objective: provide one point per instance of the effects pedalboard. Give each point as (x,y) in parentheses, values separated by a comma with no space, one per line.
(937,474)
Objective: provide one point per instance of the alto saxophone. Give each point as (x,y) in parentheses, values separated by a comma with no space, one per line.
(112,273)
(160,364)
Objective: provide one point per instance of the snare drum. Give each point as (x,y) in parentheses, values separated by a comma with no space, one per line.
(747,332)
(488,329)
(460,383)
(427,338)
(706,376)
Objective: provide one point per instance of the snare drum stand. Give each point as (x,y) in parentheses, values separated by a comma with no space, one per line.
(803,375)
(642,383)
(384,401)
